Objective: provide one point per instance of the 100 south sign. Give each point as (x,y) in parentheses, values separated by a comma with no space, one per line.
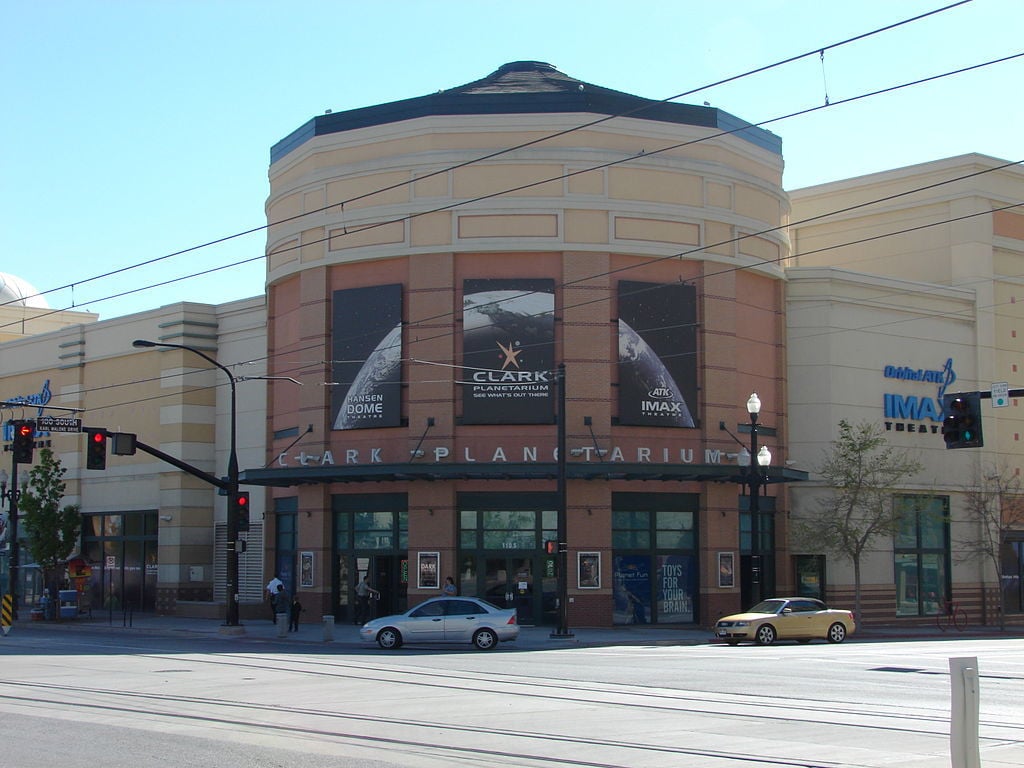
(916,413)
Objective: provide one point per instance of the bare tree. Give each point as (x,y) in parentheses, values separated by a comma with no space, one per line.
(995,506)
(861,470)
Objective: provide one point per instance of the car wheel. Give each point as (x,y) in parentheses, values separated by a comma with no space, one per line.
(389,638)
(485,639)
(836,633)
(765,634)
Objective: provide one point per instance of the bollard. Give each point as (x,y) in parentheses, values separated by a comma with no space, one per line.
(964,712)
(282,624)
(328,629)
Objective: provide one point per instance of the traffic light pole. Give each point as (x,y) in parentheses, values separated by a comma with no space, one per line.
(12,536)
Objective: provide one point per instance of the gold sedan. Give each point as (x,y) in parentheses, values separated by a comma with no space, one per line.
(786,618)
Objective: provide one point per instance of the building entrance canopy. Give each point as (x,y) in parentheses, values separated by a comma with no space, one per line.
(282,477)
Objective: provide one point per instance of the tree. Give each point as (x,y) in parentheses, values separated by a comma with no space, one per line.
(862,470)
(995,505)
(51,530)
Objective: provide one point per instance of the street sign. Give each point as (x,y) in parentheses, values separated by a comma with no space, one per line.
(1000,394)
(58,424)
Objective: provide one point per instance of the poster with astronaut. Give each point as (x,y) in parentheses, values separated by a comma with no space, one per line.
(366,354)
(657,354)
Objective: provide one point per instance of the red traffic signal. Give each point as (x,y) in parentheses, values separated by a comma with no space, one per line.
(24,441)
(240,507)
(95,448)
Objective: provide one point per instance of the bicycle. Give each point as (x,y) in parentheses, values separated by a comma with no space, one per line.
(952,616)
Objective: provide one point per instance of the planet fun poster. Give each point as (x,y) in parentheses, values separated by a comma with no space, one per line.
(366,348)
(508,351)
(657,354)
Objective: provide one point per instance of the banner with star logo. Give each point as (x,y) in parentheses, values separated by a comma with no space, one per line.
(508,351)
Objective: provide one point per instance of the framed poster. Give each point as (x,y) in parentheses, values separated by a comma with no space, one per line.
(508,351)
(588,568)
(366,350)
(428,568)
(726,570)
(657,328)
(305,569)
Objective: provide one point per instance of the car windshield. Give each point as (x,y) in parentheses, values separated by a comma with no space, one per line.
(768,606)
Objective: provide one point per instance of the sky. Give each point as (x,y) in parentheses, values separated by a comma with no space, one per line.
(139,132)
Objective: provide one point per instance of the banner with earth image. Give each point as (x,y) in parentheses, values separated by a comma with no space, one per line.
(657,354)
(366,354)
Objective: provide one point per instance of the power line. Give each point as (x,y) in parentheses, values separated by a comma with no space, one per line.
(820,50)
(570,174)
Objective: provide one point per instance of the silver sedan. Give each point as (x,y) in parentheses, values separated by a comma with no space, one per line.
(445,620)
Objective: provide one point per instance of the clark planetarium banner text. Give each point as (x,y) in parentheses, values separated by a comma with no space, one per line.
(508,351)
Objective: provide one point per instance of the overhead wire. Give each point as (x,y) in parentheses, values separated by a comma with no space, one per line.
(628,158)
(636,110)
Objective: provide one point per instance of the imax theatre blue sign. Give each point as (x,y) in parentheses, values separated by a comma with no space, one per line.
(918,412)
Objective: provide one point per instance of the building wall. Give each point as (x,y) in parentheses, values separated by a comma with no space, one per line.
(173,401)
(928,273)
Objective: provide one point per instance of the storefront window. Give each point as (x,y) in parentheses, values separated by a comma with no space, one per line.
(921,554)
(654,563)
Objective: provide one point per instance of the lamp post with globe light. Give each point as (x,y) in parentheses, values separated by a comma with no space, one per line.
(231,594)
(757,475)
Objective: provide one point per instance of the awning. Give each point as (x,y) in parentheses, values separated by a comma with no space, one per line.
(282,477)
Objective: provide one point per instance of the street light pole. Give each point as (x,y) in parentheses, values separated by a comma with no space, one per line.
(758,461)
(12,497)
(231,595)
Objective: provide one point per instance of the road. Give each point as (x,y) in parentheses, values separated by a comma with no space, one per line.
(110,700)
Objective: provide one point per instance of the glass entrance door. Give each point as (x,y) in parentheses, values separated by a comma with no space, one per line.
(508,583)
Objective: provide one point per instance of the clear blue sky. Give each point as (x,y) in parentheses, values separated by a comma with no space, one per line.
(132,130)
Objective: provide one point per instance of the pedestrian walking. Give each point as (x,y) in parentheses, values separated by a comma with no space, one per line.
(449,589)
(363,594)
(293,614)
(270,595)
(282,603)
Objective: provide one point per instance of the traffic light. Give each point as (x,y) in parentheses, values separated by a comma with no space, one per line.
(961,428)
(240,504)
(95,448)
(24,441)
(550,547)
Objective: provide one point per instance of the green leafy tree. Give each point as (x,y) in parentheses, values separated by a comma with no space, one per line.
(995,506)
(51,531)
(861,470)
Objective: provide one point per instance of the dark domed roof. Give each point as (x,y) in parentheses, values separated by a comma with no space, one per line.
(524,87)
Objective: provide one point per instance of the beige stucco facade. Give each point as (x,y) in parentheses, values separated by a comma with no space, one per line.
(922,266)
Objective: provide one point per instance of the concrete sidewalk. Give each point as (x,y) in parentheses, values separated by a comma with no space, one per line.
(530,638)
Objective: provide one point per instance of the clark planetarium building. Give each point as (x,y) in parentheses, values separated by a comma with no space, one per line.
(521,323)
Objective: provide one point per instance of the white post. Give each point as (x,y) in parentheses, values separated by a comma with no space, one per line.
(964,712)
(282,624)
(328,628)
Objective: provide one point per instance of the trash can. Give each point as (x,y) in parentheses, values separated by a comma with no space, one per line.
(68,603)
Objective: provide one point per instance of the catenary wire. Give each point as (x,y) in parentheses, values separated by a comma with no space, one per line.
(732,78)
